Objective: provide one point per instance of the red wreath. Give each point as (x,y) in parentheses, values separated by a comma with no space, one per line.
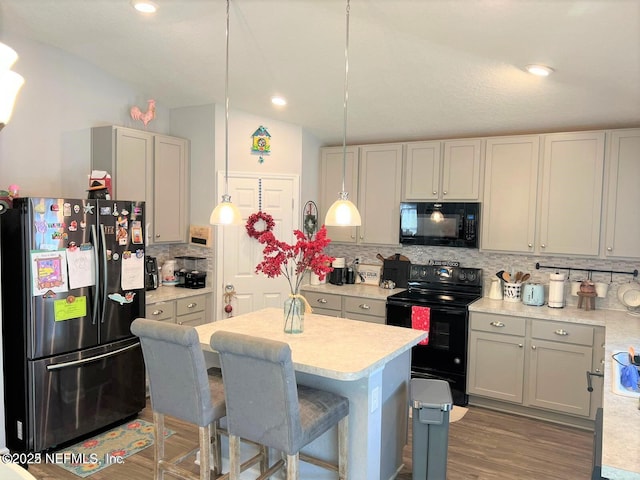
(255,218)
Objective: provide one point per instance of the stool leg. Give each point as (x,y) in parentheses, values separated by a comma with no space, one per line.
(343,451)
(292,466)
(205,451)
(234,457)
(216,448)
(158,432)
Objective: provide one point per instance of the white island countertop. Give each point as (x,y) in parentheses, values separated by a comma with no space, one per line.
(621,417)
(330,347)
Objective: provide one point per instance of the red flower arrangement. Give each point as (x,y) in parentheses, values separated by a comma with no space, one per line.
(293,261)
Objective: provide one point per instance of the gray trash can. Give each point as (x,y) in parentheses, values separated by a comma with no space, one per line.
(431,402)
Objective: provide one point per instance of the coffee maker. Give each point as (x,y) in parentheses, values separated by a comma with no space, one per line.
(338,273)
(150,273)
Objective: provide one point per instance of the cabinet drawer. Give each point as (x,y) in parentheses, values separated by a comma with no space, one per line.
(192,319)
(190,304)
(504,324)
(324,300)
(364,306)
(562,332)
(161,311)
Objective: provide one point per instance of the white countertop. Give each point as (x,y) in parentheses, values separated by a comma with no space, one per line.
(354,290)
(621,417)
(331,347)
(169,292)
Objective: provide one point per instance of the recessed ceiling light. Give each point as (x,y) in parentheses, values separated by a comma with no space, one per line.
(279,101)
(539,70)
(144,6)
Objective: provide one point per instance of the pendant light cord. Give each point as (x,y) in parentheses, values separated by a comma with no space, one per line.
(346,100)
(226,110)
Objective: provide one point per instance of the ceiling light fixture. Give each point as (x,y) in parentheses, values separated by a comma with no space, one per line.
(539,70)
(343,213)
(10,83)
(144,6)
(226,213)
(279,101)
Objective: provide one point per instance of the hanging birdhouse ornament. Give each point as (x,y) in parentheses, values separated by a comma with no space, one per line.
(261,143)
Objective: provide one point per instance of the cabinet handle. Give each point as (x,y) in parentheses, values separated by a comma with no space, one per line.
(157,235)
(353,236)
(192,305)
(444,192)
(435,192)
(520,345)
(497,324)
(561,332)
(322,300)
(180,323)
(609,249)
(157,312)
(533,347)
(364,306)
(531,245)
(543,246)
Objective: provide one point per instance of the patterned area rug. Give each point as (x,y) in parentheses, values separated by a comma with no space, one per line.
(108,448)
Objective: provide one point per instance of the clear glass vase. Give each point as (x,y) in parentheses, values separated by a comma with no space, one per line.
(293,315)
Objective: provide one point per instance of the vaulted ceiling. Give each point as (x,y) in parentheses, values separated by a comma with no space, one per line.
(418,69)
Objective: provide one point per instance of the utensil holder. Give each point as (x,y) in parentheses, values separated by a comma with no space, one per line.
(512,292)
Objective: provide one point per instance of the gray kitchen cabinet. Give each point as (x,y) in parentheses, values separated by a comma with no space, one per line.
(373,179)
(448,171)
(571,193)
(623,195)
(192,310)
(496,357)
(150,167)
(509,208)
(346,306)
(538,364)
(162,311)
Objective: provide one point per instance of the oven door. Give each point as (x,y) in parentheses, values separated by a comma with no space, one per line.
(445,356)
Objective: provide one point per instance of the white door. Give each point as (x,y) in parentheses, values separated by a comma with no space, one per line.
(238,253)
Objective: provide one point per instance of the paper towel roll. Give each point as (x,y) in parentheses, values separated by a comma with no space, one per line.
(556,290)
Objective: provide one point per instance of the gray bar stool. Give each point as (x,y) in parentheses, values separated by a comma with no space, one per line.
(265,404)
(180,387)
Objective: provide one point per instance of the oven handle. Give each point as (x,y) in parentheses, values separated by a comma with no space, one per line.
(59,366)
(442,308)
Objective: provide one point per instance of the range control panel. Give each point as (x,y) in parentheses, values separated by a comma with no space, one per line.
(445,275)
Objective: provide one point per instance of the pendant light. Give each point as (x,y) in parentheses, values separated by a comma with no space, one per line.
(343,213)
(10,83)
(226,213)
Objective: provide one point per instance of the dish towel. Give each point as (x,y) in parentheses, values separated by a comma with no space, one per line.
(420,317)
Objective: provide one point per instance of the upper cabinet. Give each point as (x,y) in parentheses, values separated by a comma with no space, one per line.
(150,167)
(373,179)
(623,195)
(508,215)
(445,171)
(571,193)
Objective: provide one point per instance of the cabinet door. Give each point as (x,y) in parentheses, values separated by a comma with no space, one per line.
(331,186)
(557,377)
(510,193)
(623,199)
(163,311)
(365,309)
(571,193)
(461,170)
(421,175)
(496,366)
(380,184)
(171,177)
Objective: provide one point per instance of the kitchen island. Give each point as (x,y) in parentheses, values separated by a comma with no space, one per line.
(621,417)
(368,363)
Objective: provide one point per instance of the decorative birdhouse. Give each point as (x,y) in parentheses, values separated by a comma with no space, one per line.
(261,142)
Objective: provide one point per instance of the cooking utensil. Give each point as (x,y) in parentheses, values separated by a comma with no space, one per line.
(500,274)
(506,277)
(525,277)
(519,277)
(380,257)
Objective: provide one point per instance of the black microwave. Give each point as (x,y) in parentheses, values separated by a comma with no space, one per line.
(440,224)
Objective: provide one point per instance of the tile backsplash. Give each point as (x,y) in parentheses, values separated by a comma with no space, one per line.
(491,262)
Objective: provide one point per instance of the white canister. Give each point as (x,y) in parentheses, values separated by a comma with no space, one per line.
(495,291)
(512,292)
(168,271)
(556,290)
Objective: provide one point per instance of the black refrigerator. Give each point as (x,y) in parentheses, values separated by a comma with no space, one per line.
(72,283)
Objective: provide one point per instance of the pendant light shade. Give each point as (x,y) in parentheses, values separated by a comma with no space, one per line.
(10,83)
(226,213)
(343,213)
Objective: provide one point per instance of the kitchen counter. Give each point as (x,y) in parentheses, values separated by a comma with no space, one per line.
(621,417)
(354,290)
(169,292)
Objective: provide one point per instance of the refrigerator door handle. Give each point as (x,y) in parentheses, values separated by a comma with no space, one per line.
(59,366)
(103,241)
(96,264)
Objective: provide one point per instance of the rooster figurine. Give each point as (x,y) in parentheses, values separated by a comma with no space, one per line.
(144,117)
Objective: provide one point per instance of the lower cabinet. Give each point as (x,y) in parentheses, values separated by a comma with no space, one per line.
(355,308)
(535,363)
(192,311)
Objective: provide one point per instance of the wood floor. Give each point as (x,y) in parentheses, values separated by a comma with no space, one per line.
(484,445)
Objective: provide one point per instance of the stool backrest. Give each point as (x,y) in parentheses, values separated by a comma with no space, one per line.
(176,369)
(260,389)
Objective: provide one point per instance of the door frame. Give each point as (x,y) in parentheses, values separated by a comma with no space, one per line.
(219,247)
